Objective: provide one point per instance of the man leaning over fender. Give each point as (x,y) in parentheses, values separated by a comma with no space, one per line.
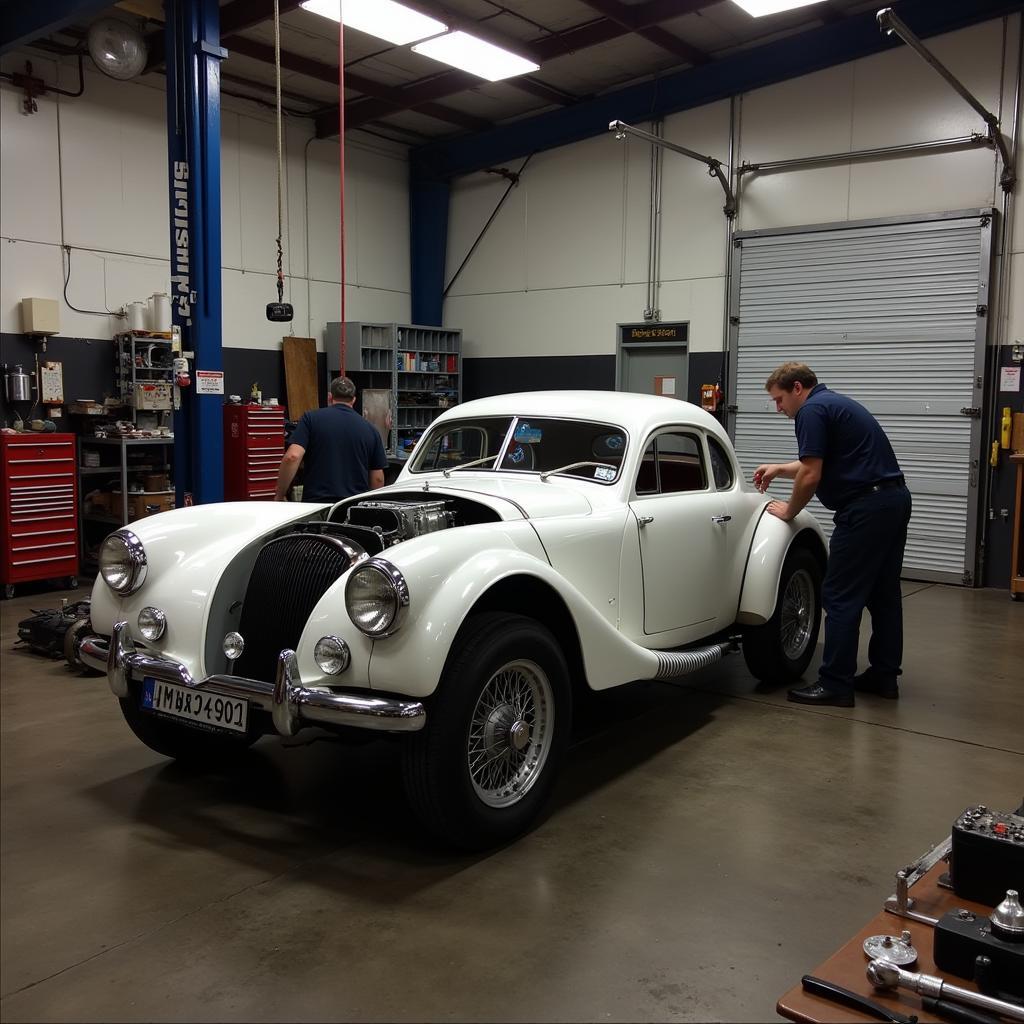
(846,459)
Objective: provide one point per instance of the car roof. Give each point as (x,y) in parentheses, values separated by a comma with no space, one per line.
(636,412)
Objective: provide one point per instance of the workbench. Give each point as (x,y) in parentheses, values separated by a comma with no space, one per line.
(847,966)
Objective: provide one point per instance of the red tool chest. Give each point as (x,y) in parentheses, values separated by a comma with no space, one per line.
(253,446)
(39,508)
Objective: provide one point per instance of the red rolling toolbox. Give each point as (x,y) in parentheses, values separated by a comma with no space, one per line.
(253,446)
(39,509)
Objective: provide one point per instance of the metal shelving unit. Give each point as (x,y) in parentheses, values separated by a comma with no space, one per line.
(119,470)
(420,366)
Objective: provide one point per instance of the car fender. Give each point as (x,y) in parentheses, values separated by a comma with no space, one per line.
(182,575)
(413,660)
(773,538)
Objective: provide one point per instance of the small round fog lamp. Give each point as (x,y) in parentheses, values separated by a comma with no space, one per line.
(152,623)
(331,654)
(233,645)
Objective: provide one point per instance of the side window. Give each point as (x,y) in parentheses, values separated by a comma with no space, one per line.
(672,463)
(647,478)
(721,464)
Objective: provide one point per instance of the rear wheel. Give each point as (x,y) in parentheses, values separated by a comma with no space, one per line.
(183,742)
(781,649)
(497,729)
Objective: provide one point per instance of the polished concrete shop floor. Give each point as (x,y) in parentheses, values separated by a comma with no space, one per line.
(709,843)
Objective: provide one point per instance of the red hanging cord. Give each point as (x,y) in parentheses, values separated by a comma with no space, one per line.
(341,176)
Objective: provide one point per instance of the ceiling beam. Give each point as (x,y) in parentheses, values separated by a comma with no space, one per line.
(22,23)
(329,73)
(624,16)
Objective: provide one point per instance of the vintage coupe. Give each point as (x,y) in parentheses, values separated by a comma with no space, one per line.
(532,544)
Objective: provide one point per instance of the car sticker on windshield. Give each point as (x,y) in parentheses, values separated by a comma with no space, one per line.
(527,434)
(517,455)
(604,473)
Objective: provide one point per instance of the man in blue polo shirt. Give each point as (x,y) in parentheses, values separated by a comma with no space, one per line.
(846,459)
(343,452)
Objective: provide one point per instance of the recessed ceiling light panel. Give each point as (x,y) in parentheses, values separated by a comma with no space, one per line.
(759,8)
(466,52)
(384,19)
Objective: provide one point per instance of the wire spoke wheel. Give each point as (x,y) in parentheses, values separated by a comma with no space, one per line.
(798,614)
(510,733)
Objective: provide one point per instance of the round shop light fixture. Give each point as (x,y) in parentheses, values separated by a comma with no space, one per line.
(152,623)
(233,645)
(117,48)
(331,654)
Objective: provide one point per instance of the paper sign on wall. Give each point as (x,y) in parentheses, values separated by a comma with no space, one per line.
(664,385)
(209,382)
(1009,378)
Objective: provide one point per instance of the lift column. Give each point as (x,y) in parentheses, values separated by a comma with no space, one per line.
(194,54)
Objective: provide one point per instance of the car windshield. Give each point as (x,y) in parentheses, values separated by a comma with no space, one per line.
(525,444)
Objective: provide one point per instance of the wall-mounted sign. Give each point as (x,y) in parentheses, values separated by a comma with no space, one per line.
(209,382)
(675,332)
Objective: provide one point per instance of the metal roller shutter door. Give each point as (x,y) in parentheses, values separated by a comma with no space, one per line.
(892,314)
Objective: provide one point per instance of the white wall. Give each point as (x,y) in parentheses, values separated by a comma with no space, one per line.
(566,258)
(91,172)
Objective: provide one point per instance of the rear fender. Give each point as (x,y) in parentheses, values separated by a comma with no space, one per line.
(773,540)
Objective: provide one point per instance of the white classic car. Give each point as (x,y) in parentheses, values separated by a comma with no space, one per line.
(532,544)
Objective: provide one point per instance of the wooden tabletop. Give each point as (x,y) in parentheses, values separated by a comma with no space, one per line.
(848,966)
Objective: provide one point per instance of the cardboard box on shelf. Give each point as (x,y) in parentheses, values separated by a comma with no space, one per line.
(145,503)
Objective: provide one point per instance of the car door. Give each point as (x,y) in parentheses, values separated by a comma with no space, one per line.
(682,522)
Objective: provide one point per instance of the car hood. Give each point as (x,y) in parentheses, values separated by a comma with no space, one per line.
(530,497)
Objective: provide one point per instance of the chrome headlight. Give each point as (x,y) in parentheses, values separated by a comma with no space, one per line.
(123,562)
(377,598)
(152,623)
(332,655)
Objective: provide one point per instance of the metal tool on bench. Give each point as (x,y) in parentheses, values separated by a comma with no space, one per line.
(889,947)
(884,974)
(902,902)
(843,996)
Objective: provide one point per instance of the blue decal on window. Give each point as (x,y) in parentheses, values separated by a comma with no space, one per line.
(517,455)
(527,434)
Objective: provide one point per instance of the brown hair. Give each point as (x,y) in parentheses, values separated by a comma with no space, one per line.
(788,374)
(343,389)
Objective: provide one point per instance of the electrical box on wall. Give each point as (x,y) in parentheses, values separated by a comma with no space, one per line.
(40,316)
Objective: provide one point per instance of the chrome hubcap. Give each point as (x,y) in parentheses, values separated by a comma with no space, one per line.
(510,733)
(797,618)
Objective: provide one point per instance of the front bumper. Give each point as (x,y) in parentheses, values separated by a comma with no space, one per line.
(291,705)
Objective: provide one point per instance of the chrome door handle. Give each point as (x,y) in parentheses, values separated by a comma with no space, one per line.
(721,519)
(644,520)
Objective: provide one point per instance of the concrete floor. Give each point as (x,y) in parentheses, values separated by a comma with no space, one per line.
(709,843)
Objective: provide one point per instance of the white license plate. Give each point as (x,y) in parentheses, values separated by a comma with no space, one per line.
(210,710)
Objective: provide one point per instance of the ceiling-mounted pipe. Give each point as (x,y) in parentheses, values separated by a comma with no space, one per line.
(890,24)
(622,129)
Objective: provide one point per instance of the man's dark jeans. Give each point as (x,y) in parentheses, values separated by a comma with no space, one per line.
(864,562)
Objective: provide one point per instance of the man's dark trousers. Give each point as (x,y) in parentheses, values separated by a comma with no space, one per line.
(864,562)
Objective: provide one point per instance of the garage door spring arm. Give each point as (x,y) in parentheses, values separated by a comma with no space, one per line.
(622,129)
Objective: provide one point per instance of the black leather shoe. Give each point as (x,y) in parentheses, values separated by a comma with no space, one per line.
(878,684)
(818,694)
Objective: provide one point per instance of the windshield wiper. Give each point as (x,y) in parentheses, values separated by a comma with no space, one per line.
(574,465)
(467,465)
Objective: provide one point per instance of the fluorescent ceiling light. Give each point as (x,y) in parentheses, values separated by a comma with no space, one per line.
(466,52)
(759,8)
(384,19)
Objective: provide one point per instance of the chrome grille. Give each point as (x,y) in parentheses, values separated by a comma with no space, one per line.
(290,575)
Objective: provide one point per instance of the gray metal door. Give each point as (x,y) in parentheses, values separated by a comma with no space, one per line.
(643,367)
(894,314)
